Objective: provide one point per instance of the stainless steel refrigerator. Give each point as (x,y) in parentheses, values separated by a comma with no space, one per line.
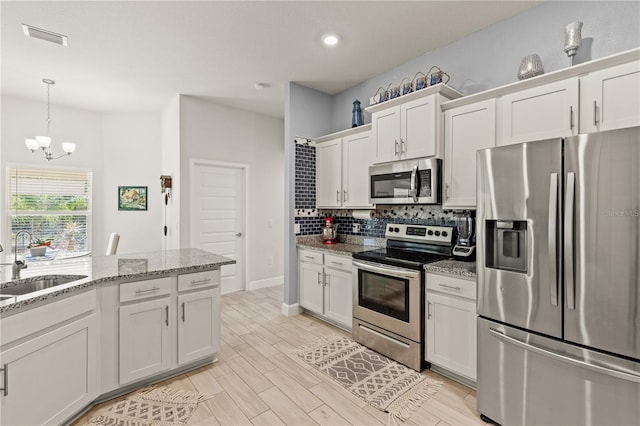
(558,281)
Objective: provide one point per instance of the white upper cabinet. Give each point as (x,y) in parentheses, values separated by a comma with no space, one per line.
(342,169)
(610,98)
(357,156)
(408,130)
(409,126)
(329,173)
(467,129)
(542,112)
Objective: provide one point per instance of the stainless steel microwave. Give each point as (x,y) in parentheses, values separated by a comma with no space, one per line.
(405,182)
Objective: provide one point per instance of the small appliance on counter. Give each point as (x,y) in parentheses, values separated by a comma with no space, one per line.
(465,248)
(329,231)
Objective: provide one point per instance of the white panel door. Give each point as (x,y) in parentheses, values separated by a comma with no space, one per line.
(610,99)
(544,112)
(385,128)
(357,156)
(144,339)
(329,173)
(451,334)
(338,296)
(50,377)
(466,130)
(217,218)
(418,130)
(198,325)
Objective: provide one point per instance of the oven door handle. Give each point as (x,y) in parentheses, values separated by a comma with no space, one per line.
(386,269)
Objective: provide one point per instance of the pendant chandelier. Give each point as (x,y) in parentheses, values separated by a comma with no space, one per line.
(44,142)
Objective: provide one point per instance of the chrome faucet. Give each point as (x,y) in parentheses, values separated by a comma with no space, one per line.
(18,264)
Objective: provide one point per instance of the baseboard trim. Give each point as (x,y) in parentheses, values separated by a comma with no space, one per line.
(291,310)
(268,282)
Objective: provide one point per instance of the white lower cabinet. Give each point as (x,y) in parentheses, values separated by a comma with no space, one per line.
(451,325)
(144,339)
(198,324)
(326,286)
(161,317)
(53,374)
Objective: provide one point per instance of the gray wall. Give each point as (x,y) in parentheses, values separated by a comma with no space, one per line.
(490,58)
(307,113)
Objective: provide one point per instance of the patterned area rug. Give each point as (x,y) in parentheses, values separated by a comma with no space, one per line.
(378,380)
(157,406)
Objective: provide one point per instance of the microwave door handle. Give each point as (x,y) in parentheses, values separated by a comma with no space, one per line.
(414,184)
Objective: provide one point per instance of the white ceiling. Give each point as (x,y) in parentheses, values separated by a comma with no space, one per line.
(126,56)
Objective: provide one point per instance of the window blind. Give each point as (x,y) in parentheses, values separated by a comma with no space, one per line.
(50,204)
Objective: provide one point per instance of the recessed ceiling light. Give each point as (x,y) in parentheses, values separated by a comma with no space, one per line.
(260,86)
(45,35)
(330,39)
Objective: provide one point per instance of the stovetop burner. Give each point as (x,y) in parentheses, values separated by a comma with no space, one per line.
(412,246)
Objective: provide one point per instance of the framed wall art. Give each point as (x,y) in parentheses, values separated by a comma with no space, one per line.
(132,198)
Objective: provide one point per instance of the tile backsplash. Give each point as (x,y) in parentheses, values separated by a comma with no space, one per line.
(311,220)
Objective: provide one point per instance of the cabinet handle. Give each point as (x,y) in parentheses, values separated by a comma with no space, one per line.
(446,191)
(5,380)
(396,150)
(147,290)
(319,279)
(571,117)
(403,143)
(338,196)
(456,288)
(198,282)
(337,263)
(309,257)
(595,113)
(166,311)
(326,280)
(428,310)
(344,198)
(182,311)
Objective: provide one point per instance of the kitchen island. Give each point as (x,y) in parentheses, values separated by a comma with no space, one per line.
(133,320)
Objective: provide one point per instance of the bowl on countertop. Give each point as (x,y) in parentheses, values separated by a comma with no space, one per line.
(38,251)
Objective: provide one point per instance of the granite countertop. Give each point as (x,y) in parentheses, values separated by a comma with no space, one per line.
(350,244)
(453,267)
(101,269)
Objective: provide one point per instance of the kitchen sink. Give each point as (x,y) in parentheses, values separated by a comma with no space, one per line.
(30,285)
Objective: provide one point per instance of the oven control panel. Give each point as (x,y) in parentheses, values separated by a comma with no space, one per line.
(420,233)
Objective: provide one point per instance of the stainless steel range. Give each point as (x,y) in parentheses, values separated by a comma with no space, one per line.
(388,290)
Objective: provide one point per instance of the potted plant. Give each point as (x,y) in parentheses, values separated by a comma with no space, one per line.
(38,247)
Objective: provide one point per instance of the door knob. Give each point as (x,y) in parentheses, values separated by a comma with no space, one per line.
(239,234)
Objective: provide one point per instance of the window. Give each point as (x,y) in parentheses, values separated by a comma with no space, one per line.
(51,204)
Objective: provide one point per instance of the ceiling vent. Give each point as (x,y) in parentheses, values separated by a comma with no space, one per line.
(45,35)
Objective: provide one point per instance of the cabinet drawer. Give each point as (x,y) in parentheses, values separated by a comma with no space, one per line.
(311,256)
(450,285)
(198,280)
(338,262)
(139,290)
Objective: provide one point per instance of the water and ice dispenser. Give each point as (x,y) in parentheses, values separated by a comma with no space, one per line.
(506,245)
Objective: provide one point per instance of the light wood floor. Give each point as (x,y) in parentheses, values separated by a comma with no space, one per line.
(258,381)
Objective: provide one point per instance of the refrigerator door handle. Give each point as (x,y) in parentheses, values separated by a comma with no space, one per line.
(569,233)
(632,377)
(553,237)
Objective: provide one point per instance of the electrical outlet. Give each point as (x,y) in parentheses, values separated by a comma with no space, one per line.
(356,227)
(296,228)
